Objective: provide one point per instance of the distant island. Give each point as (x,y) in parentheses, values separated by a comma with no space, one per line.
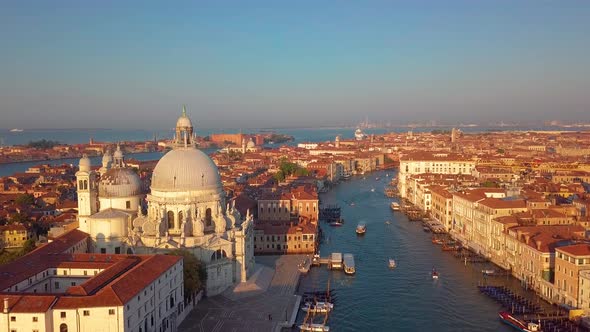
(43,144)
(278,138)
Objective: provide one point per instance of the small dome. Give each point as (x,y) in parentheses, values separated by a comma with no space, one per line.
(183,122)
(185,169)
(85,163)
(250,144)
(119,182)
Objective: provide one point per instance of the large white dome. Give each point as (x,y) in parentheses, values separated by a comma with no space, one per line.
(185,169)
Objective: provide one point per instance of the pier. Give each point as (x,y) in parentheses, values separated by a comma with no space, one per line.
(336,261)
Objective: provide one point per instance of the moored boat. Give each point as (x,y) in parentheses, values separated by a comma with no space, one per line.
(314,327)
(395,206)
(318,307)
(361,228)
(518,324)
(348,262)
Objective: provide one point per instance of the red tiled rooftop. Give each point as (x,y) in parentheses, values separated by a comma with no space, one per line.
(576,249)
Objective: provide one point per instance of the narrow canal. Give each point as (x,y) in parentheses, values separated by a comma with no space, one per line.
(377,298)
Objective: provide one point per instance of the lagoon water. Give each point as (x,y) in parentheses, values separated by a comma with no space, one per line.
(405,298)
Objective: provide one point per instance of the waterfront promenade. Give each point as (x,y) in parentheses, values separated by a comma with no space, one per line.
(269,304)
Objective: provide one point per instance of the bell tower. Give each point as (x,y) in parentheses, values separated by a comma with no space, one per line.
(87,193)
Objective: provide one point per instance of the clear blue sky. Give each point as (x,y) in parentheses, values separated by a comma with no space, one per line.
(240,64)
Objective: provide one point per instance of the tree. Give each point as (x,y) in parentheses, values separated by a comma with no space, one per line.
(19,218)
(24,200)
(279,176)
(28,246)
(195,274)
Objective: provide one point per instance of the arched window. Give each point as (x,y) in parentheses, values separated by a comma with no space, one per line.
(80,184)
(208,221)
(179,218)
(63,328)
(170,220)
(219,254)
(85,184)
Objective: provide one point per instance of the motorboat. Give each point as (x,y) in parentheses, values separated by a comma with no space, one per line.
(488,272)
(361,228)
(387,222)
(337,223)
(16,130)
(318,307)
(392,263)
(348,262)
(395,206)
(434,274)
(372,190)
(518,324)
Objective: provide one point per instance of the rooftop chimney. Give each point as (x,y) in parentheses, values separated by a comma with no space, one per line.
(5,305)
(538,243)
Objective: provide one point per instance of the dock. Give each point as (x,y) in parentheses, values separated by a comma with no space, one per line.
(336,261)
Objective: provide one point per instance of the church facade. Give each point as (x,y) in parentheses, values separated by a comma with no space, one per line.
(185,209)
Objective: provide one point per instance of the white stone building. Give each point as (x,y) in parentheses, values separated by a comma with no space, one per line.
(186,209)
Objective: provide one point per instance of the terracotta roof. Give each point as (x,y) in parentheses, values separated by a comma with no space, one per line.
(27,304)
(576,249)
(497,203)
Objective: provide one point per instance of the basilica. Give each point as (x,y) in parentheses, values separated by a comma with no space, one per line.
(185,209)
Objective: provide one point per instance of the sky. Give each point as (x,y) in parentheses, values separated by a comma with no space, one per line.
(253,64)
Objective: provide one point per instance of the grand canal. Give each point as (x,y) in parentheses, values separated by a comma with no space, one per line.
(406,298)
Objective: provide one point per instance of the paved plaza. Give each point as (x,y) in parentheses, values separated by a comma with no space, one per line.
(266,303)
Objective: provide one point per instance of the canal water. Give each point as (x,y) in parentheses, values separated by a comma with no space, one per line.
(406,298)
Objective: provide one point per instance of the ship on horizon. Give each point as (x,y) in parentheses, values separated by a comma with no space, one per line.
(16,130)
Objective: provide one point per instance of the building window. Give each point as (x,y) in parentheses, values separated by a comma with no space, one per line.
(208,221)
(103,250)
(111,311)
(86,312)
(170,220)
(62,314)
(13,318)
(56,285)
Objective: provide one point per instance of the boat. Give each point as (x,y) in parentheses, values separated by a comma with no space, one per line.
(377,178)
(16,130)
(387,222)
(436,240)
(318,307)
(395,206)
(372,190)
(434,274)
(304,266)
(392,263)
(488,272)
(361,228)
(348,261)
(314,327)
(337,223)
(518,324)
(426,229)
(352,204)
